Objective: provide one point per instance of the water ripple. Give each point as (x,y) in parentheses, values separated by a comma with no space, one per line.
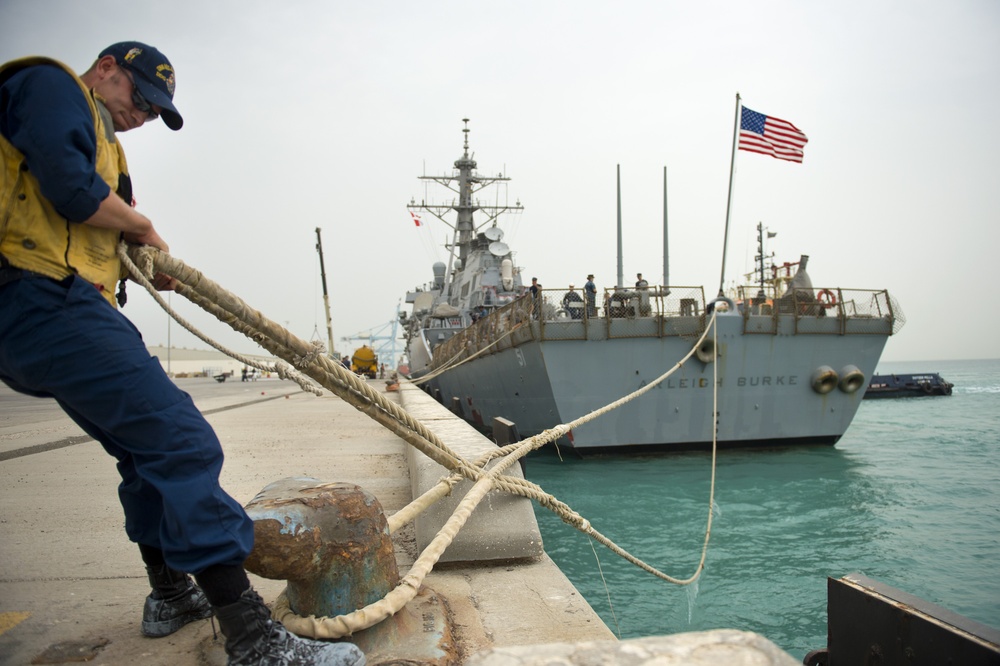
(910,496)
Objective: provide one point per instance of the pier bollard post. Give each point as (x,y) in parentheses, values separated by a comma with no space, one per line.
(505,431)
(330,541)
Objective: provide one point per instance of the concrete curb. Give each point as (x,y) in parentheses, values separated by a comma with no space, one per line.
(502,527)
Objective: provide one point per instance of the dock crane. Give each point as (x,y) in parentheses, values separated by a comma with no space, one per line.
(326,296)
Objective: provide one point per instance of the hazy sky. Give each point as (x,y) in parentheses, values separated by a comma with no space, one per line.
(300,115)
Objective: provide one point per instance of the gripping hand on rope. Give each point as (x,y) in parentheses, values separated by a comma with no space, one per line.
(160,281)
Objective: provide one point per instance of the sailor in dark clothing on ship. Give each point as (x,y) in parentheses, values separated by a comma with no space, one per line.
(573,303)
(67,197)
(590,292)
(535,287)
(536,297)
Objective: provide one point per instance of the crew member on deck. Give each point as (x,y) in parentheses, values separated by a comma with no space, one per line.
(590,293)
(642,287)
(573,303)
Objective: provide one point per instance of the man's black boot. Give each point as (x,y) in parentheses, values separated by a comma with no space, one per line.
(174,602)
(252,637)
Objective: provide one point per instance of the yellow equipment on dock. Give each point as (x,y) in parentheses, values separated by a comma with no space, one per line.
(365,362)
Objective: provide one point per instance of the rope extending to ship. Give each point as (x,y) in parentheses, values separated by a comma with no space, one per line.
(308,362)
(450,364)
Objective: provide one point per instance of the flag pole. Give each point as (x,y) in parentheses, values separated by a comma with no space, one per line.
(621,276)
(666,246)
(729,201)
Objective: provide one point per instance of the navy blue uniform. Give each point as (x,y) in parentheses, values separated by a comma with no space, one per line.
(62,339)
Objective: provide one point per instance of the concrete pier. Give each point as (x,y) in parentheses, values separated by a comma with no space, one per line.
(72,585)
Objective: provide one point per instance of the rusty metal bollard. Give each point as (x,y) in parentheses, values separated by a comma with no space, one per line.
(330,541)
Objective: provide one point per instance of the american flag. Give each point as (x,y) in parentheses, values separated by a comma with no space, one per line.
(770,136)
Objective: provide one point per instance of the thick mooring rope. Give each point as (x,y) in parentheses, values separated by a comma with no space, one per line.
(283,370)
(309,360)
(450,364)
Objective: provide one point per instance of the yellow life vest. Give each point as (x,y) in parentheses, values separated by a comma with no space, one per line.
(33,235)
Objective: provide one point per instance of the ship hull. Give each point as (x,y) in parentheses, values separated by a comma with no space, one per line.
(765,391)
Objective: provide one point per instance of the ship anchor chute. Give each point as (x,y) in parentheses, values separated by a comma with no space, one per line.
(706,351)
(824,379)
(851,379)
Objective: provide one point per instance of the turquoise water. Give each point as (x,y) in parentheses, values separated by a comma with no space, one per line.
(910,496)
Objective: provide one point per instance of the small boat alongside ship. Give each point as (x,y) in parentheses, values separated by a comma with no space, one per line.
(793,360)
(907,386)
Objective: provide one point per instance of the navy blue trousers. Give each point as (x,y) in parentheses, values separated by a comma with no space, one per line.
(63,340)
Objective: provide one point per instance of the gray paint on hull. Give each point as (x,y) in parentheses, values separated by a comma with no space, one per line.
(764,394)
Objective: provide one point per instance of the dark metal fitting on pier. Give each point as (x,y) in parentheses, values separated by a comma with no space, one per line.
(331,543)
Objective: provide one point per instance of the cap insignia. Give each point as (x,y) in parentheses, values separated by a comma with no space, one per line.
(166,73)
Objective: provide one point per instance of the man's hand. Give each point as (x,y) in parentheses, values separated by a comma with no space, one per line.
(114,213)
(163,282)
(149,237)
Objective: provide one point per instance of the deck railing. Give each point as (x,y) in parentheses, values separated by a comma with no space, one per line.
(566,314)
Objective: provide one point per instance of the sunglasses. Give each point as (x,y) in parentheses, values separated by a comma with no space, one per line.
(140,101)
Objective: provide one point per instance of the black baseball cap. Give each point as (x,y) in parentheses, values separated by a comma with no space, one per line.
(154,76)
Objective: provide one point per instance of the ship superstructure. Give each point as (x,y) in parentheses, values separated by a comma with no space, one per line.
(481,275)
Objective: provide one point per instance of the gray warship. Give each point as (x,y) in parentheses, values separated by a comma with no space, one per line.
(793,360)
